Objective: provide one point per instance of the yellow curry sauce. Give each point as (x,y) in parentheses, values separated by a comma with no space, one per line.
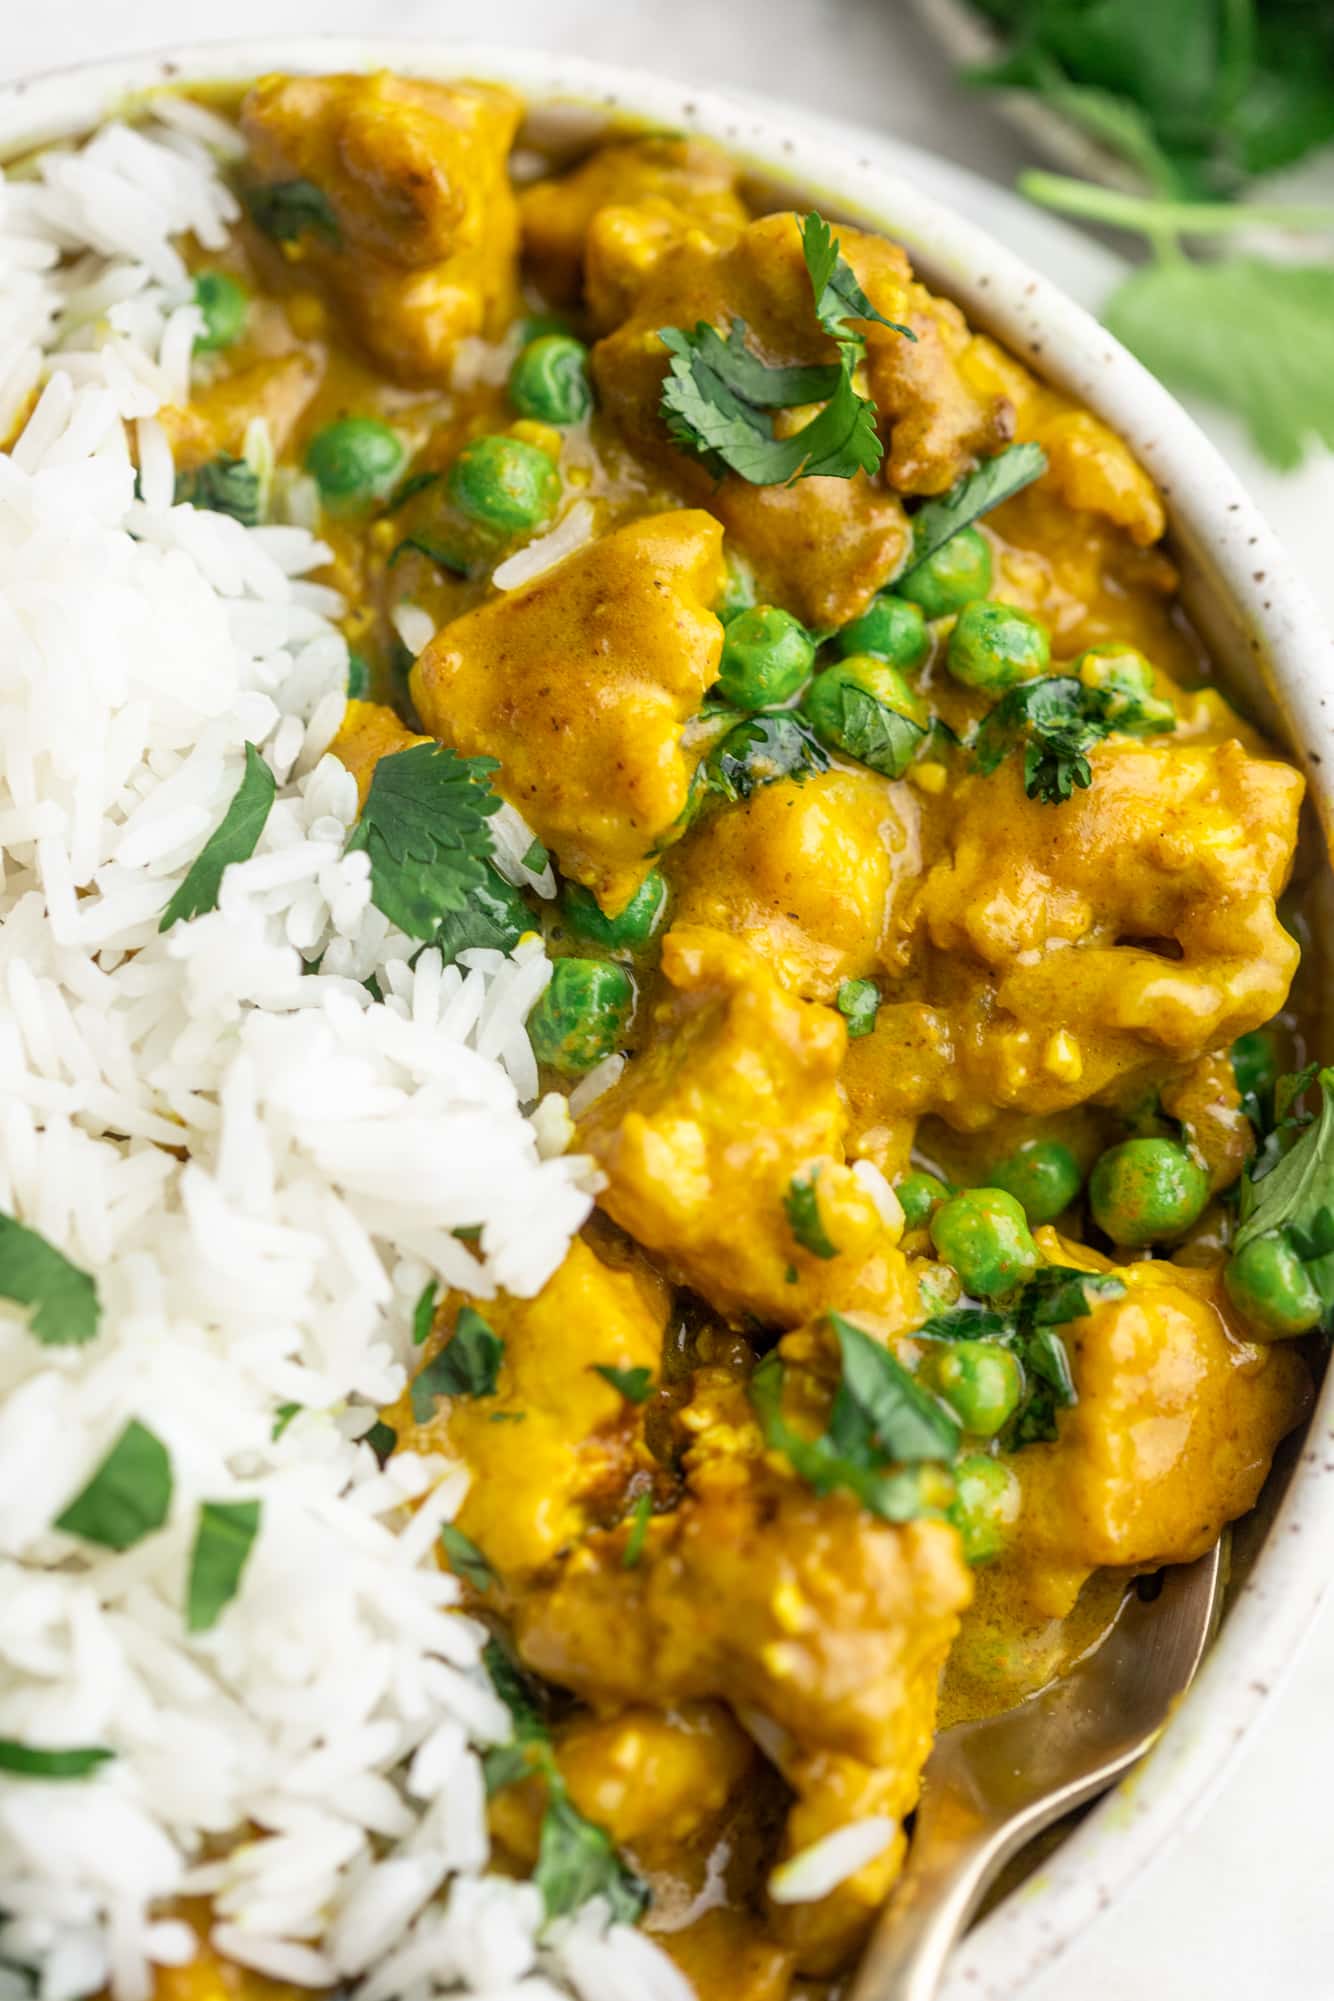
(744,1660)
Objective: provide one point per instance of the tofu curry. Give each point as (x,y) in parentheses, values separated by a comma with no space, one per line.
(918,984)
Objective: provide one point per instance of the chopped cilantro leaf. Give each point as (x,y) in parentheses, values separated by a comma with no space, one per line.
(282,1418)
(444,559)
(423,1313)
(224,485)
(222,1545)
(895,1494)
(635,1385)
(465,1559)
(28,1761)
(64,1300)
(858,1001)
(1292,1193)
(127,1497)
(759,751)
(424,828)
(801,1206)
(285,210)
(382,1438)
(577,1860)
(638,1536)
(234,839)
(467,1366)
(879,1398)
(937,521)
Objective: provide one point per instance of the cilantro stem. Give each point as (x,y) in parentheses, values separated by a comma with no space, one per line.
(1149,217)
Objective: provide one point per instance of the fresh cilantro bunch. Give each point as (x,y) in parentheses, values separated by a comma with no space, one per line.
(1198,97)
(718,395)
(1057,721)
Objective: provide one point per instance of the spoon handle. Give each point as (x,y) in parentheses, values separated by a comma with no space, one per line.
(955,1853)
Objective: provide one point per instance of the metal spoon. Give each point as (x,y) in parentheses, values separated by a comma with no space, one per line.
(990,1786)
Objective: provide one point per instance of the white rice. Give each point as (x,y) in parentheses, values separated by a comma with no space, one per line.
(262,1166)
(537,557)
(813,1872)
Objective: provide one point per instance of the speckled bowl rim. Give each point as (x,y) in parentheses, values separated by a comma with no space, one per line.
(1257,613)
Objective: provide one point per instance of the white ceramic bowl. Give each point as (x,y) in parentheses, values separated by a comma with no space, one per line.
(1266,635)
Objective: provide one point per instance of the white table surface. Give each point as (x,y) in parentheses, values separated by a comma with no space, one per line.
(1242,1909)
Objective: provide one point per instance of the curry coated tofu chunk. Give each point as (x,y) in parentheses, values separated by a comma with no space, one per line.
(553,1437)
(599,229)
(820,546)
(815,875)
(419,243)
(1172,1436)
(368,732)
(722,1145)
(1073,946)
(580,683)
(804,1610)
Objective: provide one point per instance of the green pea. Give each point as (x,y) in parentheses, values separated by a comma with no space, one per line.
(1145,1189)
(738,587)
(982,1382)
(582,1015)
(358,678)
(986,1506)
(984,1234)
(767,658)
(225,304)
(864,707)
(858,1001)
(920,1195)
(952,578)
(1042,1174)
(1123,676)
(505,484)
(630,928)
(1269,1286)
(355,461)
(994,645)
(549,380)
(1255,1064)
(938,1288)
(892,629)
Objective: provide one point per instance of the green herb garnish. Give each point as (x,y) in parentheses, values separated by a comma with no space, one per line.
(233,840)
(759,751)
(423,1313)
(1293,1192)
(27,1761)
(858,1001)
(286,210)
(717,395)
(224,485)
(129,1494)
(465,1559)
(64,1300)
(801,1206)
(444,559)
(282,1418)
(467,1366)
(638,1536)
(997,479)
(1057,721)
(882,1404)
(223,1541)
(635,1385)
(382,1438)
(577,1860)
(424,828)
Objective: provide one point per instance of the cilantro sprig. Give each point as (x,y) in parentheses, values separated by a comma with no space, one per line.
(467,1366)
(424,826)
(577,1859)
(718,395)
(1057,721)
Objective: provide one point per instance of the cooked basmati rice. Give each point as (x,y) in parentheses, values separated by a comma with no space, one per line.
(262,1166)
